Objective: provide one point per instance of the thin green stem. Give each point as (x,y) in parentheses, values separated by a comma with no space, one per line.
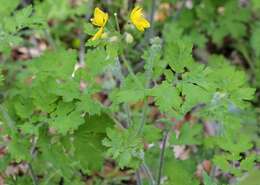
(128,114)
(145,108)
(82,49)
(125,61)
(130,70)
(126,107)
(143,120)
(117,23)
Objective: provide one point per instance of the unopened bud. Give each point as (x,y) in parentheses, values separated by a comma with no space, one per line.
(128,38)
(113,39)
(221,10)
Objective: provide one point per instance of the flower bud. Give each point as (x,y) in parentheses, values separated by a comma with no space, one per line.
(129,38)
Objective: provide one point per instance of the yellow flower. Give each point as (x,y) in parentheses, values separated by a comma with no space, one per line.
(98,34)
(138,19)
(100,18)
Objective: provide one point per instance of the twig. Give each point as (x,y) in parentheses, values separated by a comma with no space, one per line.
(162,157)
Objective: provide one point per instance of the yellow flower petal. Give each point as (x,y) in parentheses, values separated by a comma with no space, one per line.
(100,18)
(138,19)
(99,34)
(133,13)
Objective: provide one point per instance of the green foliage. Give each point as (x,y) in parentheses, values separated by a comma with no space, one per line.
(208,180)
(69,112)
(166,97)
(189,135)
(256,4)
(215,20)
(124,146)
(59,9)
(255,41)
(180,172)
(86,143)
(14,22)
(8,8)
(178,54)
(251,179)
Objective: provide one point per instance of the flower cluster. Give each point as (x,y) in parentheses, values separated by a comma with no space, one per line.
(100,19)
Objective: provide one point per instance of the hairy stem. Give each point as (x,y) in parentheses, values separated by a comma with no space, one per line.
(82,49)
(151,19)
(149,174)
(82,36)
(123,58)
(32,174)
(125,106)
(138,177)
(130,70)
(143,120)
(149,72)
(162,157)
